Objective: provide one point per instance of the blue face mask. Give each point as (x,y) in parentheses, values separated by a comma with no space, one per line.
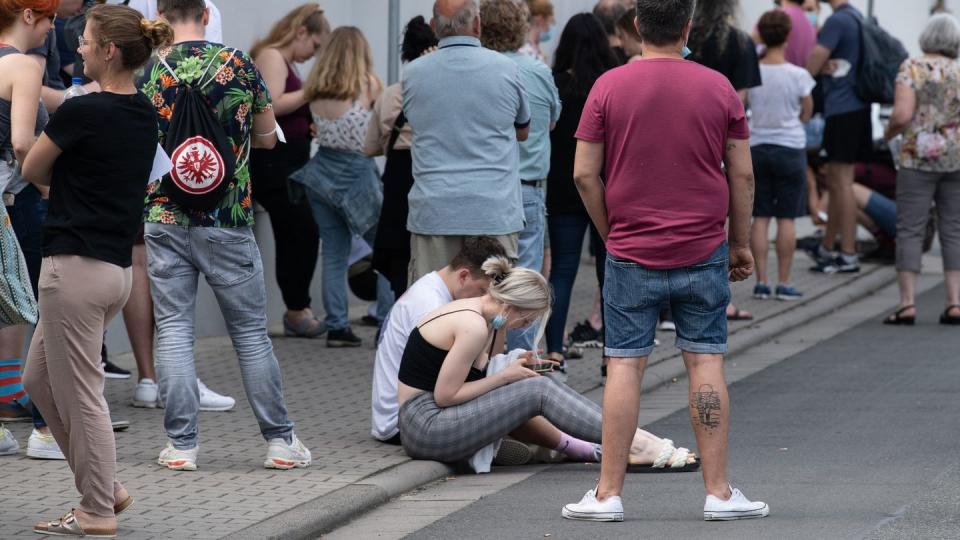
(812,17)
(547,35)
(686,51)
(499,321)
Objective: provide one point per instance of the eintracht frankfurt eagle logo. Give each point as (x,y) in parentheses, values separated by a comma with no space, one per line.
(197,166)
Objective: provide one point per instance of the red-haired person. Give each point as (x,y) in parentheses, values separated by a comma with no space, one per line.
(23,25)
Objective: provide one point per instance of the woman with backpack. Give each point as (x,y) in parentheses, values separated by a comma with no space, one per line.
(293,39)
(343,184)
(96,154)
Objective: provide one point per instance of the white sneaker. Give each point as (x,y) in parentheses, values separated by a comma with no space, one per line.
(668,326)
(736,507)
(42,446)
(147,394)
(281,455)
(212,401)
(179,460)
(590,509)
(8,444)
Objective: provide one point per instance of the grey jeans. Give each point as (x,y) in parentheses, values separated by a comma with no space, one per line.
(916,191)
(455,433)
(230,261)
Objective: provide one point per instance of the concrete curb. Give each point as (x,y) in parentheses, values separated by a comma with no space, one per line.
(325,513)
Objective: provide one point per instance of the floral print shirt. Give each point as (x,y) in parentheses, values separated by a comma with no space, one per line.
(932,141)
(236,93)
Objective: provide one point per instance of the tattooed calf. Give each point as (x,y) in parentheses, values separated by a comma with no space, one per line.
(706,401)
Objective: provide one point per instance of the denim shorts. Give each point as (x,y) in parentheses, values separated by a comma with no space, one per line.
(781,181)
(697,294)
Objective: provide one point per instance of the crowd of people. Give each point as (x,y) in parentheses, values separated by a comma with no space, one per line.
(136,145)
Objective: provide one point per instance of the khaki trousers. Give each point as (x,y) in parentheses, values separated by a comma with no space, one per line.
(78,298)
(429,253)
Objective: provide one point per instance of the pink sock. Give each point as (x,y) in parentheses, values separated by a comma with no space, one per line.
(575,449)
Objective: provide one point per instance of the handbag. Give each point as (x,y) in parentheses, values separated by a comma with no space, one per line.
(17,303)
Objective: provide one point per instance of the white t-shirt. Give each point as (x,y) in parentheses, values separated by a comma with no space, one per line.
(775,107)
(424,296)
(214,31)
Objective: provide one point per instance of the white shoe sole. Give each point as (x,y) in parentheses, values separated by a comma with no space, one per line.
(736,514)
(592,516)
(178,465)
(45,454)
(144,404)
(220,408)
(285,464)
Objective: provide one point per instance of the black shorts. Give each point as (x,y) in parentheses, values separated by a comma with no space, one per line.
(781,181)
(848,137)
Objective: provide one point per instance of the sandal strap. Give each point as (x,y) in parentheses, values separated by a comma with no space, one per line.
(904,308)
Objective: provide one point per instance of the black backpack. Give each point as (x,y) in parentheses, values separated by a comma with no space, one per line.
(202,156)
(880,58)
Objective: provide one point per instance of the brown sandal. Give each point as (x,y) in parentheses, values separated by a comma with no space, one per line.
(122,505)
(68,525)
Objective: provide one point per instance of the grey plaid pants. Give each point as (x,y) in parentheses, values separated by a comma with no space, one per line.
(451,434)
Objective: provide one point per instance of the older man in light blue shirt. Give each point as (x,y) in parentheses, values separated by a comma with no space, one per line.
(467,109)
(505,27)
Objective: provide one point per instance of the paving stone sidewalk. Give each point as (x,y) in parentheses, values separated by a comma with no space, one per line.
(327,393)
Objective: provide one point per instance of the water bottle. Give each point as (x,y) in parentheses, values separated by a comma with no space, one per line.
(76,89)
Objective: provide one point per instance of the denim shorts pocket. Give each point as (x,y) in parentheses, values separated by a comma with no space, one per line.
(162,257)
(231,259)
(709,281)
(627,284)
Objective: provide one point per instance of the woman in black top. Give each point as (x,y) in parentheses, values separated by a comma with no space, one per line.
(581,57)
(96,153)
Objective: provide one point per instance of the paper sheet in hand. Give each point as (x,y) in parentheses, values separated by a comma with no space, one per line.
(161,164)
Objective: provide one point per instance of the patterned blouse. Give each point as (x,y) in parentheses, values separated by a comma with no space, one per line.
(932,140)
(237,92)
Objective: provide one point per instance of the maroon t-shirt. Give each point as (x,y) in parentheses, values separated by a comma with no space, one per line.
(664,124)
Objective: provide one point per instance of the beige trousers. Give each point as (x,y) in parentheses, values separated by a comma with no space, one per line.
(429,253)
(78,298)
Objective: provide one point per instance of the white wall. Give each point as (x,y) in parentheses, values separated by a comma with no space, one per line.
(244,20)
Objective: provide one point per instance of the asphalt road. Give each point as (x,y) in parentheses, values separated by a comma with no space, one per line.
(853,438)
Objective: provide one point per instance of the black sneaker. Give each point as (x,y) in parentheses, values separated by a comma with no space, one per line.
(113,371)
(342,338)
(838,265)
(584,335)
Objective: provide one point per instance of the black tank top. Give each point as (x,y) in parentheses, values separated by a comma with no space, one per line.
(421,361)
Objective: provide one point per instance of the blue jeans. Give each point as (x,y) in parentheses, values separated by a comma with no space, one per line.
(230,261)
(697,295)
(566,247)
(529,255)
(335,237)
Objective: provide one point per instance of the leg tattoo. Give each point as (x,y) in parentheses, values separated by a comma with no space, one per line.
(706,401)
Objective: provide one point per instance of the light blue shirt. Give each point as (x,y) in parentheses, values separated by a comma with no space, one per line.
(544,110)
(464,104)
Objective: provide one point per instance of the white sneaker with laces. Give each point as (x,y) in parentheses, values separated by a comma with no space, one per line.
(590,509)
(281,455)
(42,446)
(736,507)
(179,460)
(147,394)
(212,401)
(8,444)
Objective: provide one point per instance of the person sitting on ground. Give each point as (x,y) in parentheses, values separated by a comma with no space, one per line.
(777,146)
(449,405)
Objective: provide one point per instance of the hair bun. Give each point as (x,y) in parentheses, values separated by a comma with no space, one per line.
(497,268)
(158,33)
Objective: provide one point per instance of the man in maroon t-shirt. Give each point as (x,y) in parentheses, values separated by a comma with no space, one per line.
(663,128)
